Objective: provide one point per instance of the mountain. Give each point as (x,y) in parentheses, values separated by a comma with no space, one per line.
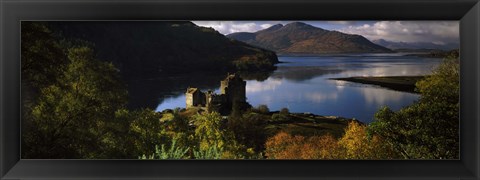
(415,45)
(152,48)
(301,38)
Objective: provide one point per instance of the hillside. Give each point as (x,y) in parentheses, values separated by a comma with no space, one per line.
(152,48)
(301,38)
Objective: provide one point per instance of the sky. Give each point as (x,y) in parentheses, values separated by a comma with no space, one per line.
(437,32)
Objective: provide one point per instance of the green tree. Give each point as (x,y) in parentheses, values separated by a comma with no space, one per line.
(249,130)
(212,136)
(134,133)
(428,129)
(42,61)
(43,56)
(209,130)
(69,118)
(357,144)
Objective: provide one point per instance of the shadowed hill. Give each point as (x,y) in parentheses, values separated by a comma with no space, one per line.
(152,48)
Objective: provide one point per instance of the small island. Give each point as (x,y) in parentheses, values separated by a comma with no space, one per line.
(398,83)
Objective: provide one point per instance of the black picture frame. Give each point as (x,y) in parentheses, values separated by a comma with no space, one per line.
(13,11)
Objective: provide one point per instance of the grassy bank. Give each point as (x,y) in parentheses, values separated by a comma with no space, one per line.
(398,83)
(304,124)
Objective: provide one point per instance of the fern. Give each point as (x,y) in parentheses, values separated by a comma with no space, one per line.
(211,152)
(173,152)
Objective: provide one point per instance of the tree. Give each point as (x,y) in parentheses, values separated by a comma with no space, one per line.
(282,146)
(70,115)
(249,130)
(213,137)
(43,61)
(354,144)
(145,131)
(209,131)
(359,145)
(43,57)
(286,146)
(427,129)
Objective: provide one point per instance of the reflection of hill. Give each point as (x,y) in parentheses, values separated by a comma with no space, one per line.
(303,73)
(148,93)
(259,76)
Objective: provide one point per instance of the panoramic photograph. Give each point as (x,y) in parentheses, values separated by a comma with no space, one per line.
(246,90)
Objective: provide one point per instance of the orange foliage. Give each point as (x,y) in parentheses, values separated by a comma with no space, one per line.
(286,146)
(359,145)
(355,144)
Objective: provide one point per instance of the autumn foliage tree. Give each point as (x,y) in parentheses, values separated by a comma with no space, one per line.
(286,146)
(355,144)
(358,144)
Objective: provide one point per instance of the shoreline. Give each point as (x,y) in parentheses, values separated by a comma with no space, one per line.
(294,123)
(398,83)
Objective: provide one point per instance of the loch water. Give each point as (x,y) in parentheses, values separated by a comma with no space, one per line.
(302,84)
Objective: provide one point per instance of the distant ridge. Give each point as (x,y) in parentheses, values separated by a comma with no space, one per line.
(302,38)
(415,45)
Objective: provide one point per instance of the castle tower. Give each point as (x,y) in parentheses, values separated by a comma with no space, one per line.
(194,97)
(233,87)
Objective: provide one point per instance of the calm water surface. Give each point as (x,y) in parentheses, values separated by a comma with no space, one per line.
(302,84)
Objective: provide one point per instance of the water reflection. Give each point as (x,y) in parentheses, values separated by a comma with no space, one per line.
(166,90)
(302,84)
(256,86)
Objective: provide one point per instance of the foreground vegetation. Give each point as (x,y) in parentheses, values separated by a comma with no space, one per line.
(75,107)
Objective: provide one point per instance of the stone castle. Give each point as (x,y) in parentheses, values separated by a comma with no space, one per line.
(232,91)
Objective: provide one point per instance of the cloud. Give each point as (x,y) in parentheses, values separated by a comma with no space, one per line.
(228,27)
(343,22)
(439,32)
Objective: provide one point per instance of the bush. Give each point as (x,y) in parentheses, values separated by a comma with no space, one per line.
(284,111)
(263,109)
(283,115)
